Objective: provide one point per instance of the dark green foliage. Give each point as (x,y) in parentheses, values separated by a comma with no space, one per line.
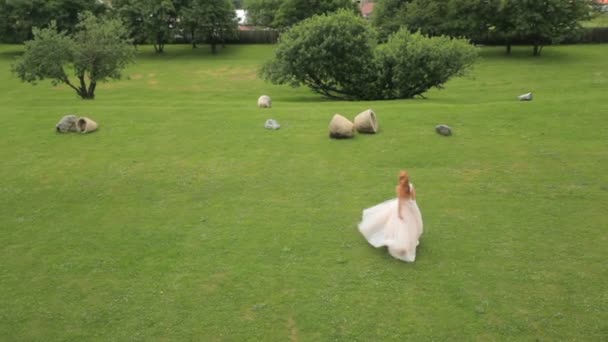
(18,17)
(336,56)
(161,21)
(153,21)
(96,52)
(543,22)
(213,21)
(328,53)
(540,22)
(285,13)
(409,64)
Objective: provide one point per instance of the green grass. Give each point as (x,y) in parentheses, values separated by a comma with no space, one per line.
(183,219)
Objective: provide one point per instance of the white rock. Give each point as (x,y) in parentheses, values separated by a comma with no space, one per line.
(264,101)
(525,97)
(86,125)
(366,122)
(340,127)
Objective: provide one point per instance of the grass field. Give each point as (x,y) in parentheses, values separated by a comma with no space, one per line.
(182,218)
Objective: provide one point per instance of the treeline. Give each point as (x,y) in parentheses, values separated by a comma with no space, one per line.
(156,22)
(499,21)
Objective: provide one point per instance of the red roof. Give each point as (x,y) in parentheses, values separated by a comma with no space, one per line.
(368,8)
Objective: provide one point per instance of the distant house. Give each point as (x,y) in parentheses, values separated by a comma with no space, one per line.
(602,2)
(241,16)
(367,8)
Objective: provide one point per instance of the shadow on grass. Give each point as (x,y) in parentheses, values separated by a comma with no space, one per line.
(524,52)
(10,55)
(313,98)
(185,51)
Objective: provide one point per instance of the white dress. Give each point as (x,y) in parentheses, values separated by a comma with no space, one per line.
(381,226)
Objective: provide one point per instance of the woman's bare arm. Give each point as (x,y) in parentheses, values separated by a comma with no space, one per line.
(399,201)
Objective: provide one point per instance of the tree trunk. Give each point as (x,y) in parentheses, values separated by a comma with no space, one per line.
(91,91)
(159,46)
(537,49)
(508,51)
(213,47)
(192,40)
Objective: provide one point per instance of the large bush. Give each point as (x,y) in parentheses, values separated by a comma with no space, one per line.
(337,56)
(330,54)
(409,64)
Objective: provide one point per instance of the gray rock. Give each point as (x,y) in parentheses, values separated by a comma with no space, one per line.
(443,130)
(525,97)
(272,124)
(67,124)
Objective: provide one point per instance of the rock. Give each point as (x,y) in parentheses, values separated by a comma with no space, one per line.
(86,125)
(365,122)
(67,124)
(443,130)
(340,127)
(525,97)
(272,124)
(264,101)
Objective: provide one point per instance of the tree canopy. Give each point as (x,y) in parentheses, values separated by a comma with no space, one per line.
(96,52)
(538,22)
(282,14)
(18,17)
(213,21)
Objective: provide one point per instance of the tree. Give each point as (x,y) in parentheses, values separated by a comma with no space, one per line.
(96,52)
(337,56)
(547,21)
(219,22)
(18,17)
(213,20)
(282,14)
(262,12)
(456,18)
(192,19)
(539,22)
(389,16)
(149,20)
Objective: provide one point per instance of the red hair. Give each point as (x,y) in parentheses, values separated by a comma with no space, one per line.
(403,189)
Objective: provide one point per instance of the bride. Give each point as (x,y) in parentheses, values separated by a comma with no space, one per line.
(396,223)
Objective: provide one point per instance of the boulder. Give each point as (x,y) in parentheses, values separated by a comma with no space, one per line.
(272,124)
(86,125)
(366,122)
(341,128)
(264,101)
(67,124)
(444,130)
(525,97)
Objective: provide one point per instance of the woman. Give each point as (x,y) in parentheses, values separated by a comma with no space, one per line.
(396,223)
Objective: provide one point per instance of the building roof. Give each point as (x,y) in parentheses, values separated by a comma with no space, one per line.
(367,9)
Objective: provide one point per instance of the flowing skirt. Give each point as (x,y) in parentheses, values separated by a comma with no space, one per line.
(381,226)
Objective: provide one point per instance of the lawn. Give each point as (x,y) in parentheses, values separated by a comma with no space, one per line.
(182,218)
